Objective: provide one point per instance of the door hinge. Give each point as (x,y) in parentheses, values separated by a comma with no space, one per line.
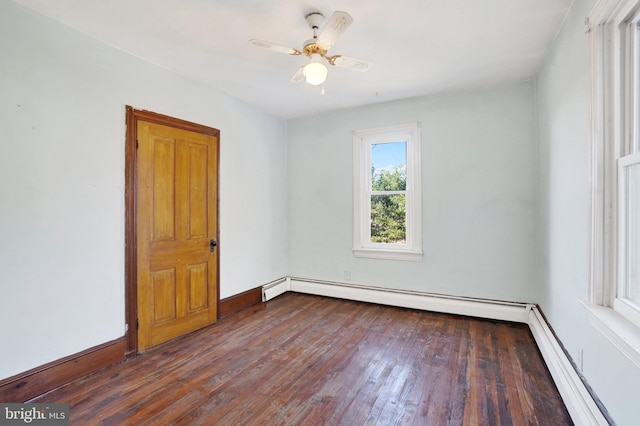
(137,324)
(137,144)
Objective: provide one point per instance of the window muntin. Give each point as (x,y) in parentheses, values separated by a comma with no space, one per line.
(387,199)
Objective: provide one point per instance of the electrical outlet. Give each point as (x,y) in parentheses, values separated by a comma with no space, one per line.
(347,275)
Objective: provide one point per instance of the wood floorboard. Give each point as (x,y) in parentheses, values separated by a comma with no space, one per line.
(309,360)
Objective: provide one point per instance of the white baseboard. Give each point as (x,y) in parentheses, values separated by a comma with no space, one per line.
(579,402)
(574,393)
(505,311)
(275,288)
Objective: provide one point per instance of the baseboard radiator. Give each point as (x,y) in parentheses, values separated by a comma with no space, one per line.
(579,402)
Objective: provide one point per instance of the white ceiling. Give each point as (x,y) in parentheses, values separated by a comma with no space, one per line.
(418,47)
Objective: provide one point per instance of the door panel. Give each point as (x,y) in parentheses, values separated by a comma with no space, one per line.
(197,287)
(163,173)
(176,218)
(164,290)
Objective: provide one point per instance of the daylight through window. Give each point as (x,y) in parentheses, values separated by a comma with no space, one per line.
(388,192)
(387,216)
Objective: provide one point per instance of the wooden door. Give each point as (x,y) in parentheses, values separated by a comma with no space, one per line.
(176,218)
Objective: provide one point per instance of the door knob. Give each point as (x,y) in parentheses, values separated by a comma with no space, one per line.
(212,245)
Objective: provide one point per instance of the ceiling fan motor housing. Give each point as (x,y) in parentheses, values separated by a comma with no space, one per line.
(312,46)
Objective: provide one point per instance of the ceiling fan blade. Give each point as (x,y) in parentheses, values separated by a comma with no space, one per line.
(351,63)
(337,24)
(275,47)
(298,77)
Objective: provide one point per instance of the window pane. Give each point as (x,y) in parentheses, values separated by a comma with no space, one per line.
(389,166)
(388,219)
(632,234)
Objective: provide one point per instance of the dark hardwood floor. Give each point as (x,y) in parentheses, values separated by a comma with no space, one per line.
(310,360)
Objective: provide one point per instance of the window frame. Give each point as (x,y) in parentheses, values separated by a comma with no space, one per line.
(614,62)
(362,142)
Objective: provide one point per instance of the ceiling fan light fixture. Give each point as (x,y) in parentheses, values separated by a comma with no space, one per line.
(315,72)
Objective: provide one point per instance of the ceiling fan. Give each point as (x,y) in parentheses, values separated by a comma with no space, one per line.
(315,72)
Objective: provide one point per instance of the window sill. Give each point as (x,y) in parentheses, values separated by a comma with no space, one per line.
(618,330)
(412,256)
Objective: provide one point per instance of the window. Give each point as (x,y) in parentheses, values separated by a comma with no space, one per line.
(387,220)
(628,291)
(614,296)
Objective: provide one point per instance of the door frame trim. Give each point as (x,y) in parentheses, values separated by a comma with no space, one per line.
(130,195)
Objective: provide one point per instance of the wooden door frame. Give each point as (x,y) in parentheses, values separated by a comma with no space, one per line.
(130,195)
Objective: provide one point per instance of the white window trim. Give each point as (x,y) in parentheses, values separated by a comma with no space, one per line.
(616,320)
(362,141)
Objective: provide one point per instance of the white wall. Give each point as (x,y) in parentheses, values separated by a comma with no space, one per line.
(563,109)
(62,99)
(62,134)
(478,183)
